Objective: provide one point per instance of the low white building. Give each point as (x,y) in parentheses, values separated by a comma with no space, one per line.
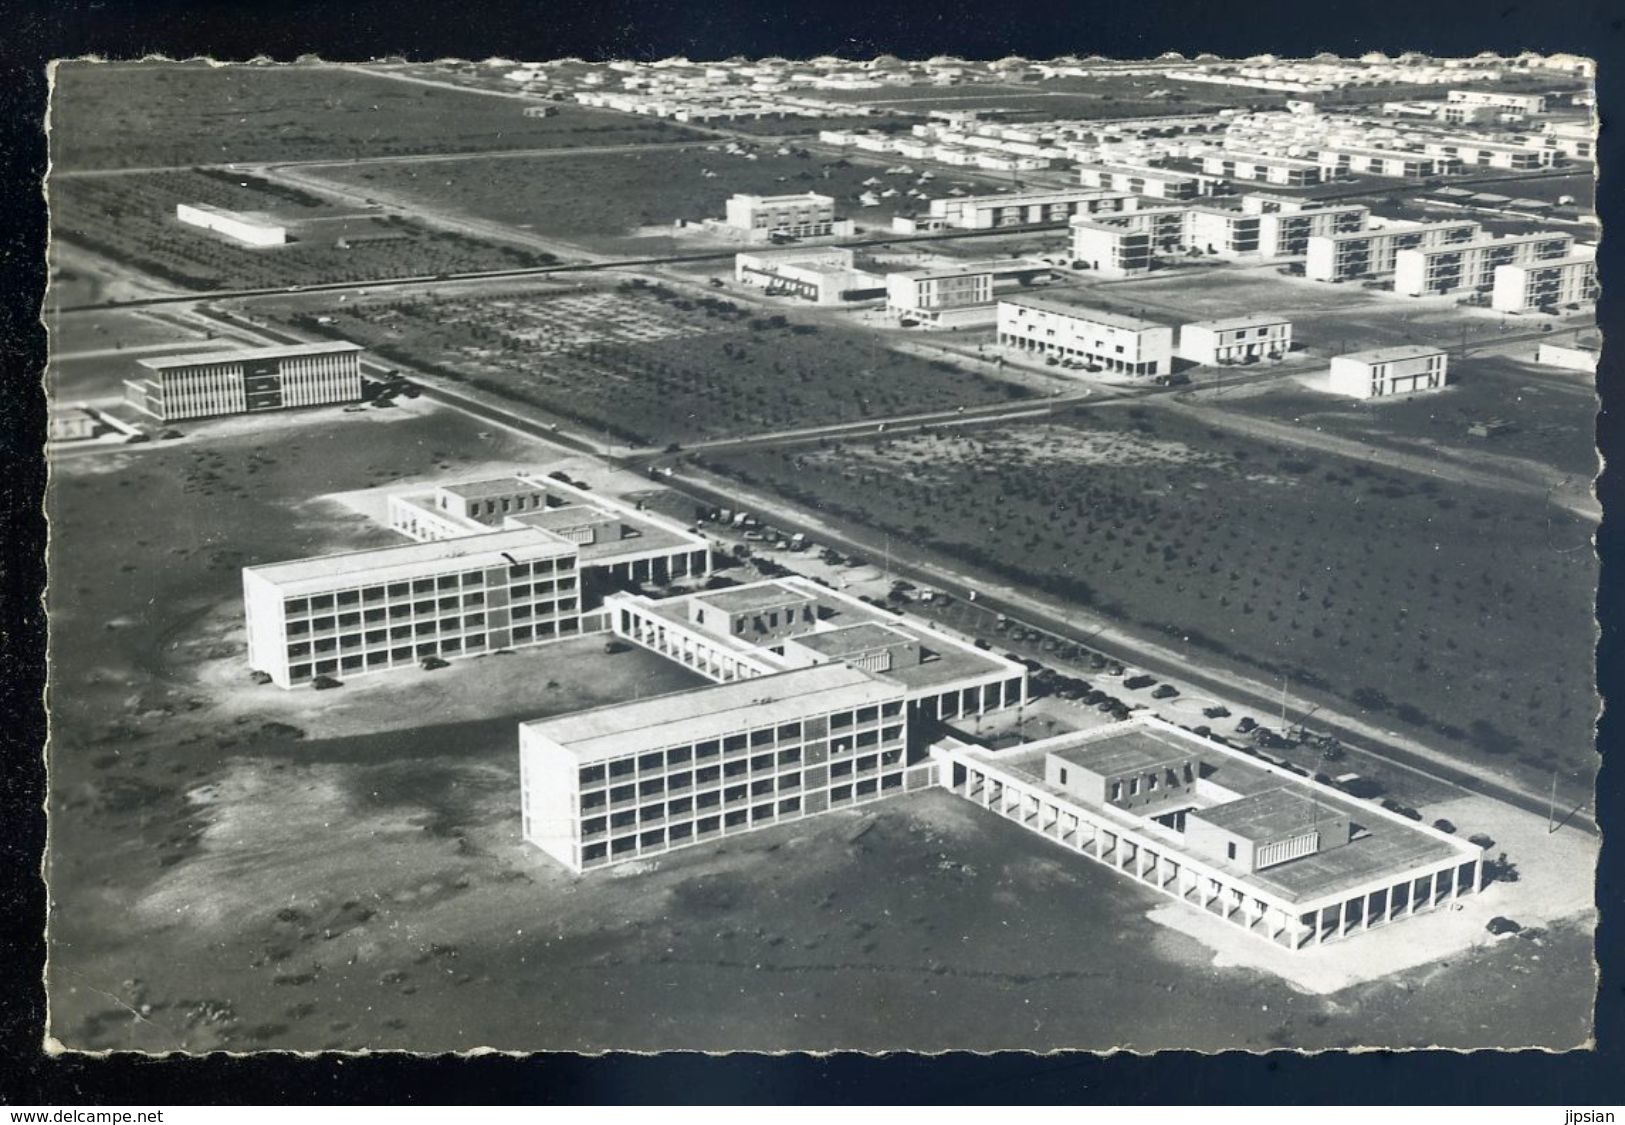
(1235,339)
(249,229)
(1384,372)
(1124,345)
(1576,356)
(822,275)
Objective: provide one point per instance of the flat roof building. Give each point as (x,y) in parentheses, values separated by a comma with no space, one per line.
(1385,372)
(1285,171)
(1139,179)
(1527,104)
(1047,208)
(1545,285)
(239,226)
(1286,859)
(1347,255)
(822,275)
(1236,339)
(639,779)
(246,380)
(1471,266)
(71,423)
(496,563)
(762,218)
(1124,345)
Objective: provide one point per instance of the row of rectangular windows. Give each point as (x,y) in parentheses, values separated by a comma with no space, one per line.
(407,654)
(417,610)
(374,637)
(710,778)
(758,816)
(395,591)
(658,760)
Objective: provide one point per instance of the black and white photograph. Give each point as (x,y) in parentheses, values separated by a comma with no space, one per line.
(809,554)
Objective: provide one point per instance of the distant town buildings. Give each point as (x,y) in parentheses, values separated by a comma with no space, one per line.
(1385,372)
(249,229)
(246,380)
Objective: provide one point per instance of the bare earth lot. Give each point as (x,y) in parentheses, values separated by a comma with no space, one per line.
(144,116)
(1423,603)
(651,365)
(130,219)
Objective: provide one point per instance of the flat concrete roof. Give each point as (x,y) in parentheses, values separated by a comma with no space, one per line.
(711,712)
(1274,814)
(1127,751)
(862,637)
(235,355)
(1389,355)
(496,486)
(1083,312)
(1228,323)
(647,535)
(744,599)
(412,560)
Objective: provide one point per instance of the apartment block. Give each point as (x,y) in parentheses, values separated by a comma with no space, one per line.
(1111,341)
(1053,208)
(246,380)
(1371,252)
(1158,183)
(1285,171)
(1286,233)
(1548,284)
(1471,266)
(1384,372)
(1113,251)
(945,295)
(1238,339)
(802,215)
(1528,105)
(1335,160)
(1486,154)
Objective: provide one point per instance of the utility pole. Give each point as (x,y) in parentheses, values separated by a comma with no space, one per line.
(1551,807)
(1283,706)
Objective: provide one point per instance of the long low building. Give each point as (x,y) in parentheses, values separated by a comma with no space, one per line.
(1287,860)
(1048,208)
(1157,183)
(246,380)
(1385,372)
(1471,266)
(247,228)
(1545,285)
(1124,345)
(493,564)
(1236,339)
(821,275)
(1285,171)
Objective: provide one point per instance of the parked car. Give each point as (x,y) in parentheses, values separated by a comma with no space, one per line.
(431,663)
(323,683)
(1166,691)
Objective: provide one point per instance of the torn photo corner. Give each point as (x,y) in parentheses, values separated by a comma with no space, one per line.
(828,554)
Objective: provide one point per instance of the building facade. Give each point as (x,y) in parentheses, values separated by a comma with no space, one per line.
(1120,344)
(1285,171)
(246,381)
(822,276)
(395,607)
(1113,251)
(1235,339)
(1471,266)
(1158,183)
(1385,372)
(943,295)
(803,215)
(1372,252)
(1054,208)
(1544,285)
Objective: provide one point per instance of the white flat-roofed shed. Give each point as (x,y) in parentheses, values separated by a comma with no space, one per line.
(1382,372)
(1236,339)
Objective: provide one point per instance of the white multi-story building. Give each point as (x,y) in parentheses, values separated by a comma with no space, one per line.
(1397,164)
(1120,344)
(1488,154)
(1050,208)
(393,607)
(1283,170)
(249,229)
(1543,285)
(802,215)
(1236,339)
(1472,265)
(1370,252)
(1158,183)
(1113,251)
(1285,227)
(1384,372)
(246,380)
(945,295)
